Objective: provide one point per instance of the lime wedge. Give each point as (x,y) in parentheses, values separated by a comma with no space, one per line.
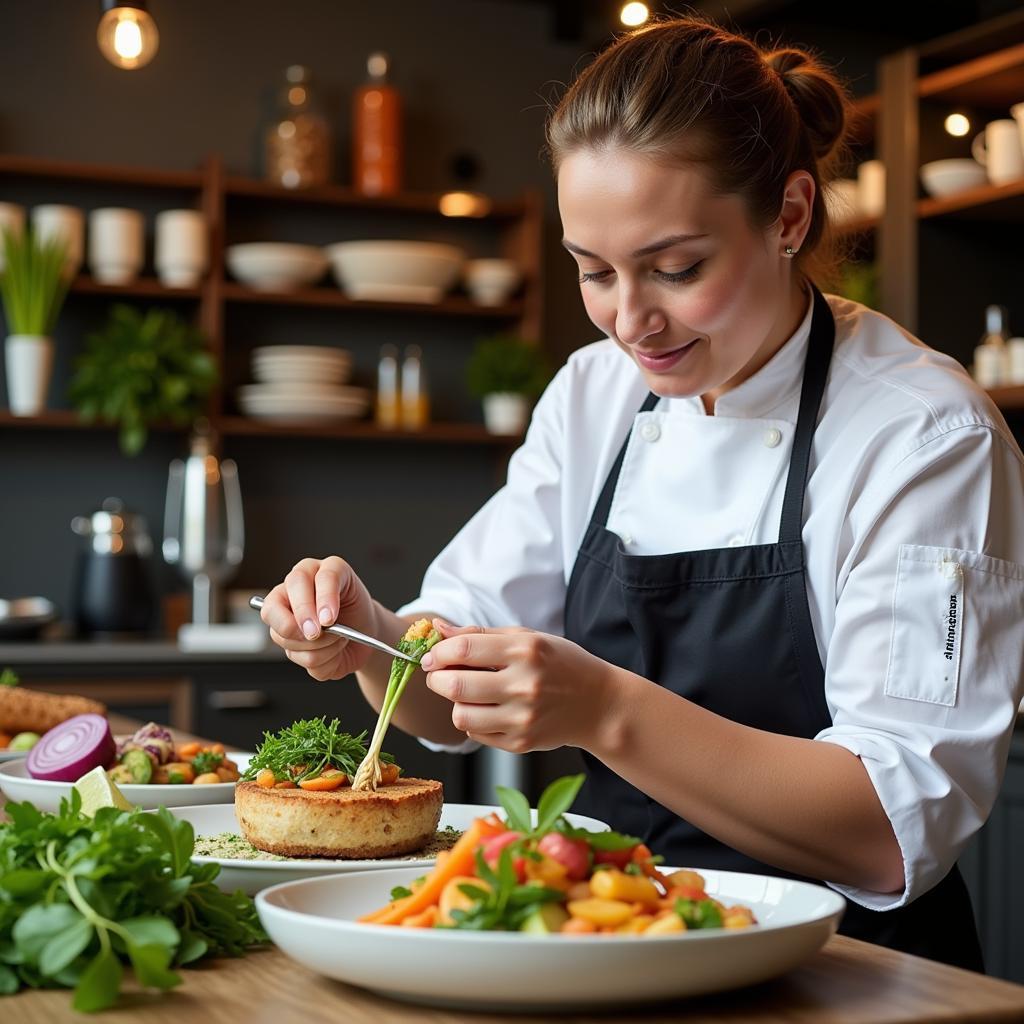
(97,790)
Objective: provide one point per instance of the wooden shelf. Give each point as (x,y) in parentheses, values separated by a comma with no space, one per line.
(994,80)
(1009,398)
(455,305)
(336,195)
(102,174)
(987,202)
(144,287)
(67,419)
(366,430)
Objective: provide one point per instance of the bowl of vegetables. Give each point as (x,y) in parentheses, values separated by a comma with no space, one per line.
(149,768)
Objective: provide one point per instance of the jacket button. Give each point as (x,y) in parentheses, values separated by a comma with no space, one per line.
(772,436)
(735,542)
(650,431)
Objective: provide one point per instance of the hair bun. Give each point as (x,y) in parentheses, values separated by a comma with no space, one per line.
(820,104)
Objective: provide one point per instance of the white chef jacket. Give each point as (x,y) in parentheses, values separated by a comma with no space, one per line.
(913,534)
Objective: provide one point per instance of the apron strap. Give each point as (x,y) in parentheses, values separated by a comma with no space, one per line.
(816,365)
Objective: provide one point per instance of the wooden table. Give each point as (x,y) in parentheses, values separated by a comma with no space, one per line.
(848,982)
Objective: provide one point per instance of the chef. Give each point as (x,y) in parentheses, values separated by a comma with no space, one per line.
(761,556)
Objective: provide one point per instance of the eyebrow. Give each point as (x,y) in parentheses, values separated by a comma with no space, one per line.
(663,243)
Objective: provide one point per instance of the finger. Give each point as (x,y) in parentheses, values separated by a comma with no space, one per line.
(302,597)
(277,614)
(327,587)
(327,640)
(468,686)
(482,649)
(481,718)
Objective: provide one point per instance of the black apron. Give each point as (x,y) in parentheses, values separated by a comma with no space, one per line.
(730,630)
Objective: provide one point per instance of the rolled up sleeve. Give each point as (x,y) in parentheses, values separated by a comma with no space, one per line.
(925,664)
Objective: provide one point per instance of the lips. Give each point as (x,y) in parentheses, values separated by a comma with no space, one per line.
(659,362)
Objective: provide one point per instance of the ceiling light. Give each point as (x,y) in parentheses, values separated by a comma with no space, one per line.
(957,124)
(634,14)
(127,34)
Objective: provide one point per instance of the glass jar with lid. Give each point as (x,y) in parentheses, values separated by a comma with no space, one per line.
(298,142)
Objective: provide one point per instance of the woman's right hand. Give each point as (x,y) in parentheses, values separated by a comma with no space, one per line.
(318,592)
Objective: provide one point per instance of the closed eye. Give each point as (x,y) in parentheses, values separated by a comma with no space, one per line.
(677,277)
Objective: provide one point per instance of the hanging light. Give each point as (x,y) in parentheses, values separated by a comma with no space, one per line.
(634,14)
(127,34)
(957,124)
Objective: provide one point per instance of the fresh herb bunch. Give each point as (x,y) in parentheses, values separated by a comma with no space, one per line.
(305,749)
(506,904)
(206,761)
(142,367)
(34,283)
(418,639)
(80,897)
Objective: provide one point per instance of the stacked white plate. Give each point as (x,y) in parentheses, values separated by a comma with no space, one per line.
(302,384)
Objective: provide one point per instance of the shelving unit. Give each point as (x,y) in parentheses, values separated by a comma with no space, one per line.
(226,200)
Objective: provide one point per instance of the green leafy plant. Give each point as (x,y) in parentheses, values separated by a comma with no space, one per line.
(859,282)
(33,284)
(82,897)
(506,363)
(141,368)
(8,677)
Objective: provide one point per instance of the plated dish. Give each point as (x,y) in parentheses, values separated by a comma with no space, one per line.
(256,872)
(315,921)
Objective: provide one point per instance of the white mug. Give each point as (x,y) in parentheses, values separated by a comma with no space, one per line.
(182,248)
(871,188)
(116,247)
(65,222)
(998,148)
(12,219)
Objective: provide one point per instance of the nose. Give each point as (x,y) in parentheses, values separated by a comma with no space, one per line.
(636,318)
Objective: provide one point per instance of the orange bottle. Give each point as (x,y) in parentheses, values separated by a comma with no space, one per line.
(377,133)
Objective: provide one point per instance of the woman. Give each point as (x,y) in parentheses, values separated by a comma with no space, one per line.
(758,557)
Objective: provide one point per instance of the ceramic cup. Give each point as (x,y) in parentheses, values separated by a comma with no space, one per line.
(116,247)
(182,250)
(12,219)
(871,188)
(490,282)
(999,149)
(67,222)
(28,360)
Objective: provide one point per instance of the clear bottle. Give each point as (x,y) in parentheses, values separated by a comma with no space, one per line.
(991,357)
(415,400)
(298,143)
(388,407)
(377,132)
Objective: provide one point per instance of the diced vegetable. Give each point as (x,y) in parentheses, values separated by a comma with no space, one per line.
(24,741)
(139,763)
(72,748)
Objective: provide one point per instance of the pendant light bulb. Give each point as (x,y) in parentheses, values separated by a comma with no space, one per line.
(127,34)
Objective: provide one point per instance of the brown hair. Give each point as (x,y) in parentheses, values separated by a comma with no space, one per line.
(686,90)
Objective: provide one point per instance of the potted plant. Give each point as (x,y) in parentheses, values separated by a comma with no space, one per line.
(32,288)
(140,368)
(507,373)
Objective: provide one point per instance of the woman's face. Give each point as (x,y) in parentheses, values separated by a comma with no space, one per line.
(676,275)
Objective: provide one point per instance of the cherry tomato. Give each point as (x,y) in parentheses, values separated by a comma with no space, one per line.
(492,852)
(617,858)
(572,854)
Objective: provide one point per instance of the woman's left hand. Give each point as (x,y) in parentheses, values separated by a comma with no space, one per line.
(517,689)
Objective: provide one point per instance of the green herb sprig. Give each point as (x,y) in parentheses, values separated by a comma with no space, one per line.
(307,748)
(80,897)
(9,677)
(206,761)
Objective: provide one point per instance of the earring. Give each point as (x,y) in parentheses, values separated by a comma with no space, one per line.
(789,251)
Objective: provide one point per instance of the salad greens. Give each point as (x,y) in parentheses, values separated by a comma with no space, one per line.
(418,639)
(80,897)
(307,748)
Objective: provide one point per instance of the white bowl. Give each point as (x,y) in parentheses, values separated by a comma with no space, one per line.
(19,786)
(314,922)
(255,875)
(276,266)
(947,177)
(301,363)
(395,271)
(490,282)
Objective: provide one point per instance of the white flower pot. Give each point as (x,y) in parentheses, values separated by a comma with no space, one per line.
(28,359)
(506,413)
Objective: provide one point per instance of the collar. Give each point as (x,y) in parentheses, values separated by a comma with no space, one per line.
(771,393)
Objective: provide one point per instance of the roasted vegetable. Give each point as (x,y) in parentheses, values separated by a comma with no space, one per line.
(23,710)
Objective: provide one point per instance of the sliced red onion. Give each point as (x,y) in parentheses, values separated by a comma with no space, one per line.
(69,750)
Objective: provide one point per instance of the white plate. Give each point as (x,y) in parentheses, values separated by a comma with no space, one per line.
(12,755)
(298,352)
(314,922)
(254,875)
(18,786)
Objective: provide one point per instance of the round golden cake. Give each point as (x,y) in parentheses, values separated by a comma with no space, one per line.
(399,818)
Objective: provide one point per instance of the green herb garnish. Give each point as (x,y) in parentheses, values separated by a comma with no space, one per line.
(307,748)
(206,761)
(698,913)
(400,892)
(81,897)
(418,639)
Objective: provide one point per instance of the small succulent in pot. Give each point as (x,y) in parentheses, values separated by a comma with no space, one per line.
(507,373)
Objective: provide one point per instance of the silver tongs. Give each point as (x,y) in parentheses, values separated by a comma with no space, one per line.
(351,634)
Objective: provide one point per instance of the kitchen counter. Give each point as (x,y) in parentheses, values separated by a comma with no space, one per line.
(121,652)
(848,982)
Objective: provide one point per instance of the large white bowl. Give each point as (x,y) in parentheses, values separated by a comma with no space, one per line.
(255,875)
(396,271)
(947,177)
(314,922)
(276,266)
(19,786)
